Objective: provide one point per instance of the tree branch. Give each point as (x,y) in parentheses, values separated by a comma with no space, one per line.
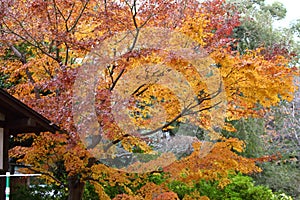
(32,44)
(46,174)
(79,16)
(115,82)
(22,57)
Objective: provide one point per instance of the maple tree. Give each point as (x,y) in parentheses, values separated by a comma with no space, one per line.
(46,50)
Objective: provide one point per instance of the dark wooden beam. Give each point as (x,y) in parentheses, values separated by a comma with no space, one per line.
(2,124)
(18,123)
(2,119)
(15,109)
(21,123)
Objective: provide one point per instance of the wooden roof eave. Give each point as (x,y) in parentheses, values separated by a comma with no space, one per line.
(22,118)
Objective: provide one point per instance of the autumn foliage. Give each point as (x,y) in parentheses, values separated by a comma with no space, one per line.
(46,46)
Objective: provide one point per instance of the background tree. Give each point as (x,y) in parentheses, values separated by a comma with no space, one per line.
(270,134)
(256,29)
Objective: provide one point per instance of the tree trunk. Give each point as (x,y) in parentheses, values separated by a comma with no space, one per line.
(75,188)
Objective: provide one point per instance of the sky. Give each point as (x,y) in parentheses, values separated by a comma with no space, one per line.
(293,12)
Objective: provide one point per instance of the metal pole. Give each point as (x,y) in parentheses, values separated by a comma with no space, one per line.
(8,175)
(7,188)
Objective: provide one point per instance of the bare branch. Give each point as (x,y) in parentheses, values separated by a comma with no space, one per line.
(137,92)
(67,54)
(202,109)
(79,16)
(70,13)
(46,174)
(115,82)
(22,57)
(18,53)
(59,11)
(32,44)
